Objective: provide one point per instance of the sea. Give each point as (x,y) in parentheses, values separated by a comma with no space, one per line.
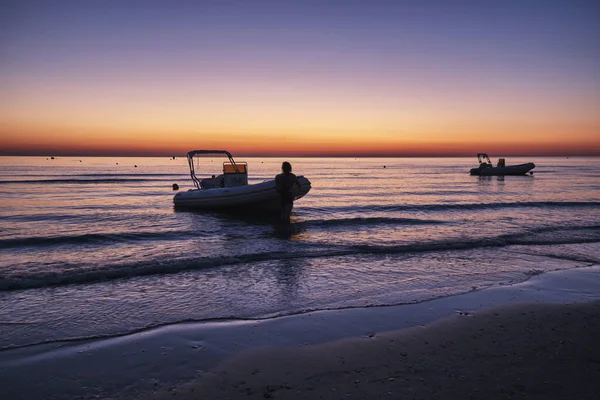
(94,248)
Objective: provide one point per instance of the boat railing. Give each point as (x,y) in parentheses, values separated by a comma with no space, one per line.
(197,153)
(483,158)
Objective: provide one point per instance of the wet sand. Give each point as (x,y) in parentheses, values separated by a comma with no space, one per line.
(536,339)
(526,351)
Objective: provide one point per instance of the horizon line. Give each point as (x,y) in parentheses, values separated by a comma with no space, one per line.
(333,155)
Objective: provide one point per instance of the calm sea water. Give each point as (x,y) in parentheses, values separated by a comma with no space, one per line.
(93,247)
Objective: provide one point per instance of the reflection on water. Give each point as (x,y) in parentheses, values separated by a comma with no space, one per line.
(101,246)
(295,230)
(247,222)
(288,275)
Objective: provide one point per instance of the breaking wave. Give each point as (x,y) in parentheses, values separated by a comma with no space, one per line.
(79,274)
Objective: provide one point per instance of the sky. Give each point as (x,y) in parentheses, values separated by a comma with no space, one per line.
(300,78)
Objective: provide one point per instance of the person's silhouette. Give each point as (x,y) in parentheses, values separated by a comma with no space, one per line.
(285,184)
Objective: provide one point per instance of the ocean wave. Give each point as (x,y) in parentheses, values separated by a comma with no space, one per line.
(459,207)
(78,275)
(367,221)
(75,181)
(246,319)
(140,174)
(108,238)
(97,175)
(89,238)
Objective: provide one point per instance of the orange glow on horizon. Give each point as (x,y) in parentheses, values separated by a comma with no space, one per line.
(297,142)
(386,79)
(294,124)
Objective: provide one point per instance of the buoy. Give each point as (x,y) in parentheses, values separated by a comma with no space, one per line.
(135,166)
(117,163)
(384,166)
(175,186)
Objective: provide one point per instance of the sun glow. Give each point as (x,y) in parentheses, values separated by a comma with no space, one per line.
(317,87)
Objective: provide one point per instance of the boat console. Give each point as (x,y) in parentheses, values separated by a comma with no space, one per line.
(235,174)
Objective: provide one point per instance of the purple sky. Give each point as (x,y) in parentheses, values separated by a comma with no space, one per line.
(495,61)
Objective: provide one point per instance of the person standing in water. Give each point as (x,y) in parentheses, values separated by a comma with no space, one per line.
(284,184)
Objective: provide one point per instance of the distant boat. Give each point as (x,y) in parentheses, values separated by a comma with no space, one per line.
(501,169)
(230,190)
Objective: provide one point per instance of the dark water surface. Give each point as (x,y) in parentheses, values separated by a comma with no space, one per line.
(93,248)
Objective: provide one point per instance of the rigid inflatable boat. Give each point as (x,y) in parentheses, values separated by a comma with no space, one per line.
(230,190)
(487,169)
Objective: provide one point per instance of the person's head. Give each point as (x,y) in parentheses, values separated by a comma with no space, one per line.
(286,167)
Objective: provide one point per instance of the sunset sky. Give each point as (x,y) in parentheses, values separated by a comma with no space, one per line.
(351,78)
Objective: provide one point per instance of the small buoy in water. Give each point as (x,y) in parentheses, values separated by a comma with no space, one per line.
(175,186)
(52,158)
(384,166)
(79,160)
(531,173)
(135,166)
(117,163)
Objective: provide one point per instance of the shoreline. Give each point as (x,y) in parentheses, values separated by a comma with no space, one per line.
(173,356)
(532,351)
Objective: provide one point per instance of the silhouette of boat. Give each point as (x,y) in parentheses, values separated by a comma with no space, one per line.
(487,169)
(230,190)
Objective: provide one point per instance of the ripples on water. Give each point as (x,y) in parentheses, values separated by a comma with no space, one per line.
(91,248)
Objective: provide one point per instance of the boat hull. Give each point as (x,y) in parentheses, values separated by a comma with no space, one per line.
(261,196)
(520,169)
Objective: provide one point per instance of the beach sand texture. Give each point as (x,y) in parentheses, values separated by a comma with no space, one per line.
(525,351)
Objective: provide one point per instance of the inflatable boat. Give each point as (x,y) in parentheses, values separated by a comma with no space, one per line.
(230,190)
(487,169)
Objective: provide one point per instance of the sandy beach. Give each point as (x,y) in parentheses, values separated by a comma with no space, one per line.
(532,340)
(528,351)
